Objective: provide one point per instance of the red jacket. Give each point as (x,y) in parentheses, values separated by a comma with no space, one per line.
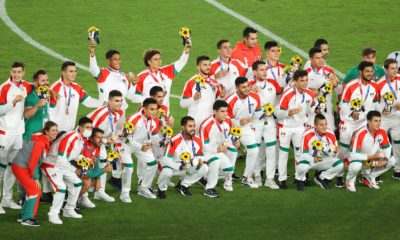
(245,54)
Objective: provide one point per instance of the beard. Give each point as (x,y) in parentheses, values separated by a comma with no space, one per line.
(190,133)
(205,72)
(366,79)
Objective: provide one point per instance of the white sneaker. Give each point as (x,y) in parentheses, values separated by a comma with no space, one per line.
(2,211)
(55,219)
(10,204)
(372,183)
(228,185)
(171,184)
(125,198)
(103,197)
(71,213)
(350,187)
(85,202)
(145,192)
(249,182)
(271,184)
(258,180)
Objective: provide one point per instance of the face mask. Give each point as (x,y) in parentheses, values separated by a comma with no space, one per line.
(87,133)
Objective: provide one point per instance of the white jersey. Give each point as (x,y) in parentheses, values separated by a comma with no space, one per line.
(64,109)
(214,134)
(109,122)
(385,86)
(109,79)
(276,73)
(12,116)
(235,69)
(240,108)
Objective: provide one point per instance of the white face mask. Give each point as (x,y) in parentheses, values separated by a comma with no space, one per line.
(87,133)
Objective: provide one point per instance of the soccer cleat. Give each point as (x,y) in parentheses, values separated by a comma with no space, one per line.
(30,222)
(379,179)
(55,219)
(350,187)
(300,185)
(283,185)
(321,182)
(184,190)
(271,184)
(372,182)
(2,211)
(145,192)
(125,198)
(10,204)
(236,177)
(258,180)
(339,182)
(212,193)
(116,183)
(228,185)
(249,182)
(161,194)
(202,181)
(71,213)
(103,197)
(396,176)
(85,202)
(364,181)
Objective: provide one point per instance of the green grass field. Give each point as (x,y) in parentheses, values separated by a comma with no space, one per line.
(133,26)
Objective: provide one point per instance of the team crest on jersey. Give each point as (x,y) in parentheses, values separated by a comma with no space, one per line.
(379,139)
(270,89)
(308,101)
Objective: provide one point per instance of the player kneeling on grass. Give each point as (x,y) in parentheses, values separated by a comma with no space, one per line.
(90,178)
(318,151)
(370,149)
(183,158)
(220,148)
(25,169)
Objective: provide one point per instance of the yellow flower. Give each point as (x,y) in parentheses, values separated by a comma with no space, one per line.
(317,144)
(268,109)
(83,162)
(280,50)
(169,131)
(388,96)
(297,59)
(112,155)
(161,113)
(93,29)
(185,157)
(288,68)
(184,32)
(328,87)
(356,103)
(129,126)
(236,131)
(321,99)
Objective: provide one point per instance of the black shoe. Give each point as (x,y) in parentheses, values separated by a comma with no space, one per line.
(212,193)
(379,179)
(30,222)
(46,198)
(184,191)
(161,194)
(283,185)
(396,176)
(203,182)
(152,190)
(300,185)
(322,183)
(78,210)
(317,173)
(116,183)
(236,177)
(339,182)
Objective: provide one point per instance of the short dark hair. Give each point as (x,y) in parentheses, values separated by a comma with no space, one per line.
(202,58)
(364,64)
(149,101)
(114,93)
(67,64)
(248,30)
(270,44)
(372,114)
(83,120)
(148,54)
(240,80)
(186,119)
(388,62)
(47,126)
(299,73)
(95,131)
(38,73)
(18,65)
(313,51)
(219,104)
(319,42)
(256,64)
(220,42)
(110,53)
(368,51)
(156,89)
(318,117)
